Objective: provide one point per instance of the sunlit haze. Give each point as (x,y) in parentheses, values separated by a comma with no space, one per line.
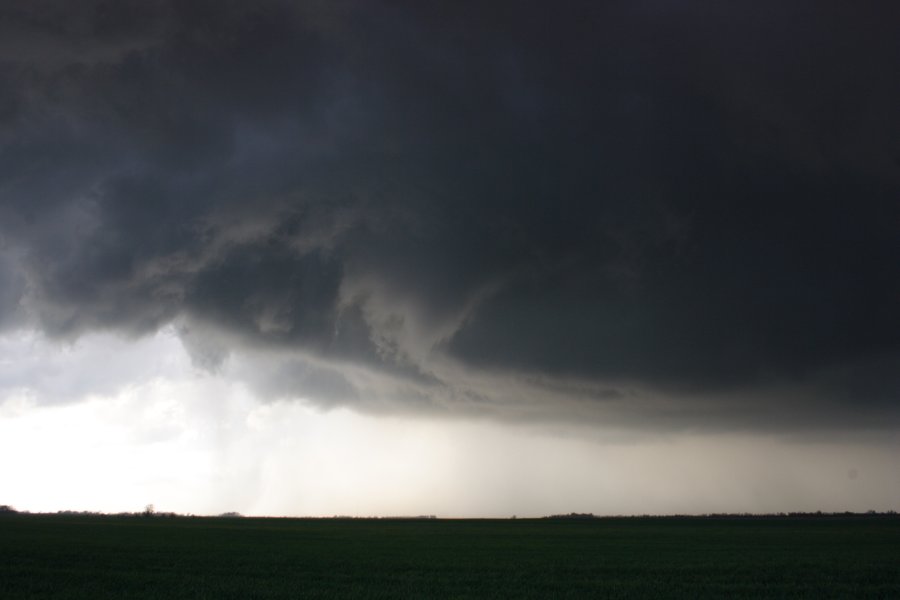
(187,441)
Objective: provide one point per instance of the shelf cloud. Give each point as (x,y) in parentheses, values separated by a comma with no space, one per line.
(658,215)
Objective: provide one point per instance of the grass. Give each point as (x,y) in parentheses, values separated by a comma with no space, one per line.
(51,556)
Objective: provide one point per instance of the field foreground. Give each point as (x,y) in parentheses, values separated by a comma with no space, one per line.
(50,556)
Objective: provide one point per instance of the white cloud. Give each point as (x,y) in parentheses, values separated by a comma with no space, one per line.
(56,372)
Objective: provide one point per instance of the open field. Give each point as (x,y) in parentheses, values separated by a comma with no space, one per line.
(50,556)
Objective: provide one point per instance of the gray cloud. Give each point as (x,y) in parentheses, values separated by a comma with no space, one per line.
(12,287)
(667,214)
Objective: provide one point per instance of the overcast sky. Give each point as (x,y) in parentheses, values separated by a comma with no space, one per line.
(468,259)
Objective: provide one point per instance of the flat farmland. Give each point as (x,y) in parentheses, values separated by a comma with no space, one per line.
(55,556)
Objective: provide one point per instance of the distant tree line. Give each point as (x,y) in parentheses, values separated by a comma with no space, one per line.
(150,511)
(744,515)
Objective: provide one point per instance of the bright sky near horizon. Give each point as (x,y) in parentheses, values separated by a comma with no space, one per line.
(192,442)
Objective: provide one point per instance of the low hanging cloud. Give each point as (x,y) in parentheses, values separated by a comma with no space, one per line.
(659,214)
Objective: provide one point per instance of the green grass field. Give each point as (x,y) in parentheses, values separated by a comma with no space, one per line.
(48,556)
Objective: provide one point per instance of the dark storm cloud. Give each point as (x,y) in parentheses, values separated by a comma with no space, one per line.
(606,203)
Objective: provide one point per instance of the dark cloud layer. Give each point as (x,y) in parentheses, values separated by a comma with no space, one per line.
(678,200)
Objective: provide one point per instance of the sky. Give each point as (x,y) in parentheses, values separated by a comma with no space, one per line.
(373,258)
